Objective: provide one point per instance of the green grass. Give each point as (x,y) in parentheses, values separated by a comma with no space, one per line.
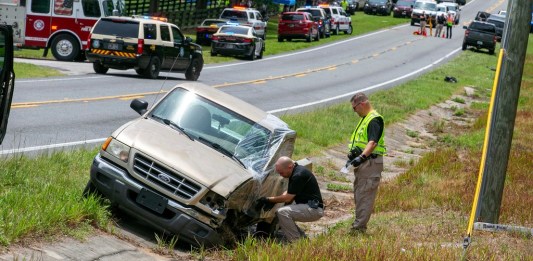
(26,70)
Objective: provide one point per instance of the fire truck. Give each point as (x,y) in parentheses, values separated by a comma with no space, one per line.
(61,25)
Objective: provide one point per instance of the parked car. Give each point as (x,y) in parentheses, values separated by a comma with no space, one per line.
(237,40)
(403,8)
(352,6)
(145,44)
(194,164)
(247,16)
(383,7)
(297,25)
(427,6)
(482,16)
(339,19)
(319,16)
(499,22)
(454,9)
(480,35)
(206,29)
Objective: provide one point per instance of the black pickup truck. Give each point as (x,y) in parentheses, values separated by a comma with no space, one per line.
(480,35)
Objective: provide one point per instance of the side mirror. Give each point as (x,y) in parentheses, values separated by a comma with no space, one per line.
(7,76)
(140,106)
(464,27)
(188,40)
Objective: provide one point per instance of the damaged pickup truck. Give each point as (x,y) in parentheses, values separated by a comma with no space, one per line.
(194,164)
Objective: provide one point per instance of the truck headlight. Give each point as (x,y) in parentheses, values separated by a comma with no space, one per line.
(116,148)
(215,202)
(96,43)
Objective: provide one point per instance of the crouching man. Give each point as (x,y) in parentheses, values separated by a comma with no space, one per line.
(303,190)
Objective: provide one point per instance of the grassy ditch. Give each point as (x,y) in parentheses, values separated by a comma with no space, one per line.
(420,215)
(26,70)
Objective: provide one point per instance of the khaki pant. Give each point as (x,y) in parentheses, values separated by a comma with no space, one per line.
(287,216)
(439,30)
(365,185)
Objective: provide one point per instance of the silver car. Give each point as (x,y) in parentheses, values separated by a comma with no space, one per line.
(194,164)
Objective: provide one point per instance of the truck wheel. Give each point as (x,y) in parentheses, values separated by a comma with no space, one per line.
(349,31)
(491,51)
(412,22)
(65,47)
(464,46)
(337,30)
(99,68)
(153,68)
(193,72)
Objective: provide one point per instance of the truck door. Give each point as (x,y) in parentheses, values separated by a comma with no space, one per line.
(38,22)
(7,76)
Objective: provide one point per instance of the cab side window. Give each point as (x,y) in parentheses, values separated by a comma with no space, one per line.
(63,7)
(150,31)
(41,7)
(335,11)
(258,16)
(176,35)
(165,33)
(91,8)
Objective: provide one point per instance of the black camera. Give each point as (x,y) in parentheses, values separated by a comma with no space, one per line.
(356,151)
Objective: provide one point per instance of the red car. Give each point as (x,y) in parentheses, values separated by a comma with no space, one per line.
(297,25)
(403,8)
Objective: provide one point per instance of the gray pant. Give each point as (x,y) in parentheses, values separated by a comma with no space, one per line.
(365,185)
(439,30)
(287,216)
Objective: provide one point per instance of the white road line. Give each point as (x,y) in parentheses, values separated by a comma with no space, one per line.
(75,143)
(62,79)
(51,146)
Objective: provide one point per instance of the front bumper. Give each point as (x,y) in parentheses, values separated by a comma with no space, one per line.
(375,10)
(115,183)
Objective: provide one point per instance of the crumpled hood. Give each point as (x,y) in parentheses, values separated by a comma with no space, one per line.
(193,159)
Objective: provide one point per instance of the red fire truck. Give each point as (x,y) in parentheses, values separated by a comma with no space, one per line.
(61,25)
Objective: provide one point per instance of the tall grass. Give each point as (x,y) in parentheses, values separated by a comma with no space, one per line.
(42,196)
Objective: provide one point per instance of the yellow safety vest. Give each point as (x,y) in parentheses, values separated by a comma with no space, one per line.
(360,135)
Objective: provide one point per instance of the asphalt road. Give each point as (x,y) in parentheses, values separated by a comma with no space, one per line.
(87,107)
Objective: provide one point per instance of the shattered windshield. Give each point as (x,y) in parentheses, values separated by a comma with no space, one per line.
(206,121)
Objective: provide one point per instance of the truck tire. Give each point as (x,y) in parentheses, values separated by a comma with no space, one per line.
(99,68)
(65,47)
(193,72)
(491,51)
(464,46)
(412,22)
(153,68)
(349,31)
(90,189)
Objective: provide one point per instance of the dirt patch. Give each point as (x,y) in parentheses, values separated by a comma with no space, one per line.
(406,142)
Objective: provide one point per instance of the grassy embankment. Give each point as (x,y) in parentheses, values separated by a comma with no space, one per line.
(362,23)
(420,215)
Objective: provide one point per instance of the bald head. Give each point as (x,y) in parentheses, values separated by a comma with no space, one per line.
(284,166)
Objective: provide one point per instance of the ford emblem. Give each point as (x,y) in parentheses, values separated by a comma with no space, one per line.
(163,177)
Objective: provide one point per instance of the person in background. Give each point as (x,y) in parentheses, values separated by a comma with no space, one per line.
(303,190)
(441,19)
(423,19)
(367,147)
(450,20)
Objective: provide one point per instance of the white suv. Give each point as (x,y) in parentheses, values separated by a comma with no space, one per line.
(428,7)
(246,16)
(340,20)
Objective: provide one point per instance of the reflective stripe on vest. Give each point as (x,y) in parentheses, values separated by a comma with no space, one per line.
(360,135)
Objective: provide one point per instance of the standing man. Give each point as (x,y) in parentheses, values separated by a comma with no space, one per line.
(423,19)
(450,20)
(440,24)
(303,190)
(367,147)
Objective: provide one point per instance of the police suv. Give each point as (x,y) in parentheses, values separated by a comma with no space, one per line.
(246,16)
(146,44)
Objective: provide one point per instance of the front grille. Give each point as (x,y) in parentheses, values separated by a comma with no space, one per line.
(164,178)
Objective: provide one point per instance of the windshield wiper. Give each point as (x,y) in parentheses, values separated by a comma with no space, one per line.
(174,125)
(219,148)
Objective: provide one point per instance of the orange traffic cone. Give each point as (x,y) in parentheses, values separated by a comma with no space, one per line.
(443,35)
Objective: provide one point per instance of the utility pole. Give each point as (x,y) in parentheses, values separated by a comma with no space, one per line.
(515,38)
